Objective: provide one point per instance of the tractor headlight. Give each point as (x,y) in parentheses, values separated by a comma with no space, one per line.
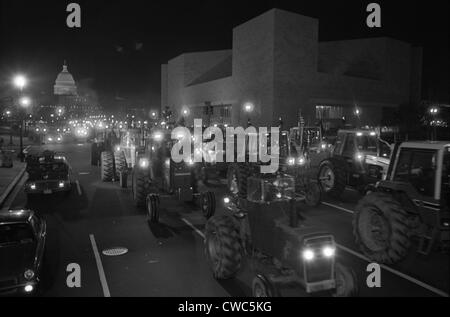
(308,255)
(226,200)
(291,161)
(28,275)
(328,251)
(323,146)
(144,163)
(50,139)
(61,184)
(118,148)
(359,157)
(33,186)
(301,161)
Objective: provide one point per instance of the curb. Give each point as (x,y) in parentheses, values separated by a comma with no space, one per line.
(11,186)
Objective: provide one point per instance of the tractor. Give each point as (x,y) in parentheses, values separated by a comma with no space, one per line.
(284,250)
(156,175)
(358,160)
(292,162)
(410,205)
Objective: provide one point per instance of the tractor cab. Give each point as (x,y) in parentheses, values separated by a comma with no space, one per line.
(306,138)
(424,165)
(411,204)
(363,151)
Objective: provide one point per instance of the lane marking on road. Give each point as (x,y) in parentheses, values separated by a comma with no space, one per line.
(201,234)
(83,173)
(395,272)
(78,188)
(338,207)
(25,151)
(101,272)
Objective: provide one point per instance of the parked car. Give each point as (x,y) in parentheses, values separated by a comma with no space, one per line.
(22,245)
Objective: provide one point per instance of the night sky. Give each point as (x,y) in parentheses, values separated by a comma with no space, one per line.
(121,45)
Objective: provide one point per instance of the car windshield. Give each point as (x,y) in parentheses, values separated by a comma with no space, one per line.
(367,143)
(16,234)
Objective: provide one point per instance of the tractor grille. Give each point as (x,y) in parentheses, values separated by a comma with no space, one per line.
(321,268)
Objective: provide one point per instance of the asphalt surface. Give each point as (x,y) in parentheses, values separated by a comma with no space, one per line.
(167,259)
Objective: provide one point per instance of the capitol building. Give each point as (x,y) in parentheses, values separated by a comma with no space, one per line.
(65,84)
(67,96)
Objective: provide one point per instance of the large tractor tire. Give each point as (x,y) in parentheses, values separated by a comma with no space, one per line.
(140,187)
(237,179)
(380,227)
(107,169)
(346,282)
(332,177)
(223,248)
(120,162)
(208,204)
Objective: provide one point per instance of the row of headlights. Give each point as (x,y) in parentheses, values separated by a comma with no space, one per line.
(60,185)
(291,161)
(326,251)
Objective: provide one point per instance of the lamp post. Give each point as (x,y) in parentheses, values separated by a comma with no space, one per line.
(248,108)
(358,116)
(20,82)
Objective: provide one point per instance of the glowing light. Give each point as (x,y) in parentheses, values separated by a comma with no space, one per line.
(308,255)
(20,81)
(328,252)
(249,107)
(29,288)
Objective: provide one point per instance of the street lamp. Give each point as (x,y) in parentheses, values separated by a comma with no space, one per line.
(248,108)
(20,81)
(25,102)
(358,115)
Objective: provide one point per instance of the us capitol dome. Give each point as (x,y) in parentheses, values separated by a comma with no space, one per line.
(65,84)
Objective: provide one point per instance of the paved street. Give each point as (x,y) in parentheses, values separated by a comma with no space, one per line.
(168,259)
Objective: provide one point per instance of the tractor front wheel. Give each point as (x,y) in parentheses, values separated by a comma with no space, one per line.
(380,227)
(208,204)
(261,287)
(332,178)
(346,283)
(223,248)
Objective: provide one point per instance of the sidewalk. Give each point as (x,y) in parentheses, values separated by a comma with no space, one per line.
(9,178)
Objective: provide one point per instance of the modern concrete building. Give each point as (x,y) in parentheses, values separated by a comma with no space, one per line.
(277,68)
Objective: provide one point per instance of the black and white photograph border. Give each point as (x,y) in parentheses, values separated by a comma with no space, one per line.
(224,149)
